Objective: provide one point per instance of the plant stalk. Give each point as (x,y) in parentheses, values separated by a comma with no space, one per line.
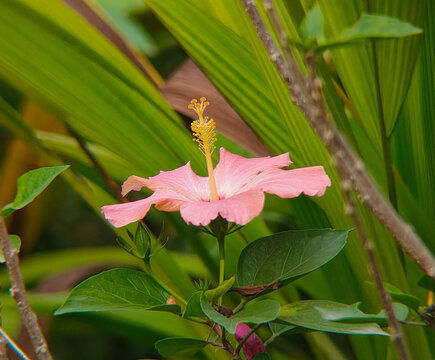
(393,324)
(3,341)
(225,343)
(112,185)
(306,93)
(18,292)
(221,243)
(13,345)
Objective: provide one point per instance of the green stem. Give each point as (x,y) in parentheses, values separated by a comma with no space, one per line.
(221,242)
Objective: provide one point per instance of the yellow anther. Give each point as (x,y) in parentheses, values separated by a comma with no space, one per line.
(204,134)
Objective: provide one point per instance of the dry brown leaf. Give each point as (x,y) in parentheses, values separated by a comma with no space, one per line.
(190,82)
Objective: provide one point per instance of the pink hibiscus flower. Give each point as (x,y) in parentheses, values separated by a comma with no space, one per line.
(253,345)
(233,190)
(240,184)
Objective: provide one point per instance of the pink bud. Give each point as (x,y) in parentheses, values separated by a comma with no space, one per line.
(253,345)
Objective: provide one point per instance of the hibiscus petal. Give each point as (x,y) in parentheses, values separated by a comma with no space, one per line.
(239,209)
(233,172)
(182,181)
(253,345)
(133,183)
(122,214)
(291,183)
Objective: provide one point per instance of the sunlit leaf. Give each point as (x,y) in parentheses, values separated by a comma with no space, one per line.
(379,26)
(30,185)
(312,26)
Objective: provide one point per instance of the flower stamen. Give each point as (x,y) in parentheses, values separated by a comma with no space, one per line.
(204,134)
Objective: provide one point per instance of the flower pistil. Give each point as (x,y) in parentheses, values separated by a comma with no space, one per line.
(203,130)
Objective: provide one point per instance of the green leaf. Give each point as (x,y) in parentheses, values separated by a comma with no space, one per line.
(103,96)
(307,314)
(369,27)
(66,146)
(312,26)
(15,242)
(41,265)
(222,289)
(179,346)
(193,306)
(30,185)
(379,26)
(254,312)
(427,283)
(352,314)
(285,256)
(116,289)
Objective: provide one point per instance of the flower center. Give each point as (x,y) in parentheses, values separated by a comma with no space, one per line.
(205,136)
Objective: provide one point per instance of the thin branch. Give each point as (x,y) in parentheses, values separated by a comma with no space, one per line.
(307,94)
(3,341)
(13,344)
(113,186)
(18,292)
(394,326)
(225,343)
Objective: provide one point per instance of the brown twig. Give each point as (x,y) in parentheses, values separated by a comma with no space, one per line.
(18,292)
(394,326)
(225,343)
(306,94)
(3,348)
(13,345)
(113,186)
